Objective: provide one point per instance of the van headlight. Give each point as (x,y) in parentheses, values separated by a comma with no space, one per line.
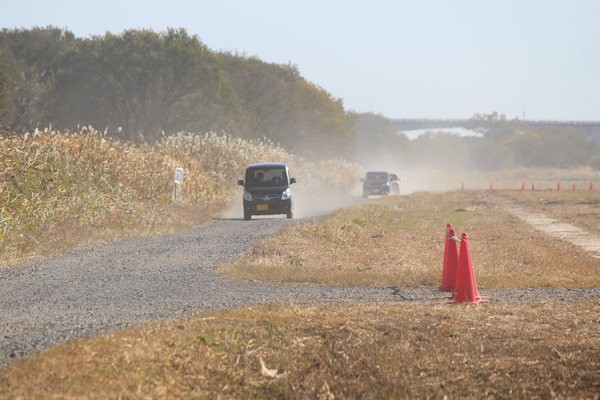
(287,193)
(247,195)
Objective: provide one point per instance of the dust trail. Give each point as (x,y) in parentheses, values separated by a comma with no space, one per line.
(306,203)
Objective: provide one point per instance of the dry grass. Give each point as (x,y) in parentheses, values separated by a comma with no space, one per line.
(400,241)
(513,179)
(58,190)
(540,350)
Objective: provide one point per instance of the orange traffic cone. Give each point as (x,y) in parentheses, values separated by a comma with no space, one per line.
(450,261)
(448,227)
(466,288)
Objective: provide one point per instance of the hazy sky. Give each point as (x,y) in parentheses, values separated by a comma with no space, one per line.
(401,59)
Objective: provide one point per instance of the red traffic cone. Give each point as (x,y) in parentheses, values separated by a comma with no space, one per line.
(466,287)
(450,261)
(448,227)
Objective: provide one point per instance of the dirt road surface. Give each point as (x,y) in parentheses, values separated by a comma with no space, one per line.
(97,289)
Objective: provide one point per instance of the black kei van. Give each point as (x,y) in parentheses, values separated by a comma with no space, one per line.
(267,190)
(376,182)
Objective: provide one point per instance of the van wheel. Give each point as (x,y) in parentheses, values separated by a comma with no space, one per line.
(289,214)
(247,216)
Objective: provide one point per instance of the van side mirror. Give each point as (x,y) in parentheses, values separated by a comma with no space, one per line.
(292,180)
(241,182)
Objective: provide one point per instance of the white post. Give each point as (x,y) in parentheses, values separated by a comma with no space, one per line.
(178,179)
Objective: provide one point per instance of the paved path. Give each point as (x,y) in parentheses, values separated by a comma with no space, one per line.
(553,227)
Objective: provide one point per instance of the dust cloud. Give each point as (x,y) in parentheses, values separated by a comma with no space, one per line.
(308,199)
(425,177)
(313,198)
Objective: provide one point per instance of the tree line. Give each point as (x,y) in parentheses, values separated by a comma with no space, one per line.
(501,143)
(141,85)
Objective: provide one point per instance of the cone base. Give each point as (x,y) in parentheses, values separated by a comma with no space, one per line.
(477,299)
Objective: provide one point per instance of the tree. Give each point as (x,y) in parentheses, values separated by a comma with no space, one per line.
(141,81)
(552,147)
(6,115)
(378,142)
(29,59)
(495,126)
(140,84)
(275,102)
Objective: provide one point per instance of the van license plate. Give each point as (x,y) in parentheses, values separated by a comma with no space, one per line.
(262,207)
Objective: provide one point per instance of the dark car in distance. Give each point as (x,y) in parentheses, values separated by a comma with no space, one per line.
(267,190)
(376,183)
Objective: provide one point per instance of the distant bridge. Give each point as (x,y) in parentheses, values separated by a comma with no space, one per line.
(409,124)
(589,128)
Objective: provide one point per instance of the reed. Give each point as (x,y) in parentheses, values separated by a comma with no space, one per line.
(60,189)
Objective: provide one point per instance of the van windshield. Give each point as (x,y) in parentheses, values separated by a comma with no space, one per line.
(266,177)
(377,176)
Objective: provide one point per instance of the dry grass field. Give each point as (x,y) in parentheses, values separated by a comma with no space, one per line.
(541,349)
(580,208)
(63,189)
(400,240)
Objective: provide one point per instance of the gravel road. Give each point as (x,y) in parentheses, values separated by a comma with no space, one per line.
(96,289)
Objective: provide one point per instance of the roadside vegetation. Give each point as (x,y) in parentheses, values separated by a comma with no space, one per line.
(58,190)
(141,85)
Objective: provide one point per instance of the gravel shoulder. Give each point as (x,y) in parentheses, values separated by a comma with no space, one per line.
(97,289)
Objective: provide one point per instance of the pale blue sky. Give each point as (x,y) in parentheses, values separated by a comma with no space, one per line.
(421,58)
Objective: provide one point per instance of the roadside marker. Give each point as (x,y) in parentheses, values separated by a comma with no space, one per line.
(450,263)
(466,287)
